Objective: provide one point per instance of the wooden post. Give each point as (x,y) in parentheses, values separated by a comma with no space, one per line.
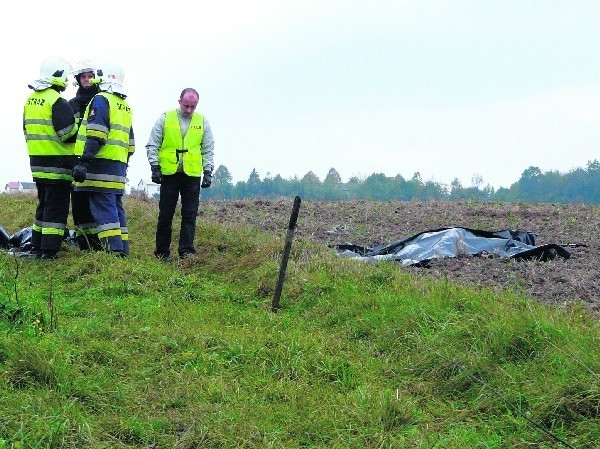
(286,253)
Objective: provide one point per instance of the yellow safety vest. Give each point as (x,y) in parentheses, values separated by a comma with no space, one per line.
(117,146)
(41,137)
(174,146)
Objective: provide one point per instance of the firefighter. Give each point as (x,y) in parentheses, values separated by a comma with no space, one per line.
(50,132)
(84,74)
(105,151)
(86,232)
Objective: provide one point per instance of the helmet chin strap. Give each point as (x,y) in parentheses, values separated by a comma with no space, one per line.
(45,83)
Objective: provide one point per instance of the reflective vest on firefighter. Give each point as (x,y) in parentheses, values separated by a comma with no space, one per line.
(41,137)
(117,146)
(175,147)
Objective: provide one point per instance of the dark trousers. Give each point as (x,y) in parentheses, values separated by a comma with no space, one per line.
(85,227)
(172,187)
(51,215)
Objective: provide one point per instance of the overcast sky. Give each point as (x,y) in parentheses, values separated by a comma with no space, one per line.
(447,88)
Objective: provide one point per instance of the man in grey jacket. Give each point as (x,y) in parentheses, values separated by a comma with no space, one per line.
(180,153)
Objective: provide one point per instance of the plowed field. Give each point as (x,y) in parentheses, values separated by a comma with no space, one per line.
(558,282)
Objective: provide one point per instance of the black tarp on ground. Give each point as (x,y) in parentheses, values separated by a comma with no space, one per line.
(451,242)
(20,241)
(4,239)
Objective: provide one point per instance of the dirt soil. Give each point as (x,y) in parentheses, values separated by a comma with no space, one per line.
(558,282)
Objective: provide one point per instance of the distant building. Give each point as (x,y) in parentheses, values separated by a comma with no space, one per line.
(20,187)
(148,187)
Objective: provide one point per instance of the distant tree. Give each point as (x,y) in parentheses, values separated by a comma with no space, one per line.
(531,173)
(311,186)
(222,175)
(222,186)
(529,184)
(281,187)
(377,187)
(254,183)
(414,187)
(310,177)
(593,166)
(489,191)
(476,180)
(331,186)
(553,187)
(352,187)
(504,194)
(457,192)
(293,186)
(254,177)
(333,177)
(240,190)
(433,190)
(400,192)
(592,182)
(273,186)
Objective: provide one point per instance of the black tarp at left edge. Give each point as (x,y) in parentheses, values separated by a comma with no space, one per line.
(4,239)
(20,241)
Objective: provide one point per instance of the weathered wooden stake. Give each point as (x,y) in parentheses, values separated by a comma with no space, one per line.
(286,253)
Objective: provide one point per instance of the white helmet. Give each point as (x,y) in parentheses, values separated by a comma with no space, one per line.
(83,66)
(111,76)
(55,70)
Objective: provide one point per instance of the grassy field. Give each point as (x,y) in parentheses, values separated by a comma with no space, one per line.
(101,352)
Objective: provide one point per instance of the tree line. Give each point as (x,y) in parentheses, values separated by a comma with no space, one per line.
(581,185)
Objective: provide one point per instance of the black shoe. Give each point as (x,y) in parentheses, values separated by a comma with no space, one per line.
(83,243)
(163,257)
(35,253)
(187,255)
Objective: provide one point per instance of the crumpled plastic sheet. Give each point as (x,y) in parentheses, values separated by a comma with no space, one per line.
(20,242)
(452,242)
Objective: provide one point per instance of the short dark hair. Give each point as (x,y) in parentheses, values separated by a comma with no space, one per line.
(188,90)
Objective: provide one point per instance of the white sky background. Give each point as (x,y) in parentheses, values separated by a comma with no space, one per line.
(448,88)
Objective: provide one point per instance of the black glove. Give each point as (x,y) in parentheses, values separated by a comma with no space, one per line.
(80,171)
(206,179)
(156,174)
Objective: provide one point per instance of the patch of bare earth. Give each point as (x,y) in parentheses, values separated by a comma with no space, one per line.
(369,223)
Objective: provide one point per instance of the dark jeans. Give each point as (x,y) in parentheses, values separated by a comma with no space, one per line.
(173,186)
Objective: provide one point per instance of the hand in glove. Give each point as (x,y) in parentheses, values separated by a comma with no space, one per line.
(156,174)
(80,171)
(206,179)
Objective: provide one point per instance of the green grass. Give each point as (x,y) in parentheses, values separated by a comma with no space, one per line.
(99,352)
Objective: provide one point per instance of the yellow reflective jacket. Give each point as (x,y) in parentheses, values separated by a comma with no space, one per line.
(174,146)
(44,143)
